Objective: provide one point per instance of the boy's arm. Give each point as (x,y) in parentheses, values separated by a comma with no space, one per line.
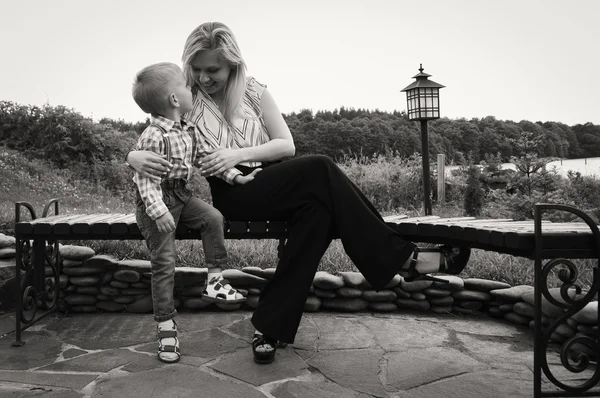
(203,149)
(149,188)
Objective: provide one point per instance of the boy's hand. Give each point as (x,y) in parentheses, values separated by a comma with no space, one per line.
(241,180)
(165,223)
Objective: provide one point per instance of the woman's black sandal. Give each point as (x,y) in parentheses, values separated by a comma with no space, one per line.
(263,357)
(452,261)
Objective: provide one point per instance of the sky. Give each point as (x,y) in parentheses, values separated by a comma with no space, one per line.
(535,60)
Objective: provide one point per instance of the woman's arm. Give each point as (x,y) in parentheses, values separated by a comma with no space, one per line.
(280,145)
(148,164)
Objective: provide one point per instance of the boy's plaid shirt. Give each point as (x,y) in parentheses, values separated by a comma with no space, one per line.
(184,155)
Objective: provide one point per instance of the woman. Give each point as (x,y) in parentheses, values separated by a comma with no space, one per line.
(238,116)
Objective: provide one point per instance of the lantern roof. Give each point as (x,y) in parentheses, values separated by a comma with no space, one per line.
(422,81)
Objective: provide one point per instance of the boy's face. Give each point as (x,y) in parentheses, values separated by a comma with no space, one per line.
(183,93)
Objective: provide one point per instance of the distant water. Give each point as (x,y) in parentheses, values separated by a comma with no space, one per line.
(586,166)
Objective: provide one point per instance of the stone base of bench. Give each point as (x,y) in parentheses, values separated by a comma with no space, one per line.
(91,283)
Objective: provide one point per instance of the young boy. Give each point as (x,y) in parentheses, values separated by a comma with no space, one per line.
(161,90)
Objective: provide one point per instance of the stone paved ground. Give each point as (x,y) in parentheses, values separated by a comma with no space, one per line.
(335,355)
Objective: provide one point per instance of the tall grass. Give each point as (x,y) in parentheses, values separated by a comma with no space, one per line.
(391,183)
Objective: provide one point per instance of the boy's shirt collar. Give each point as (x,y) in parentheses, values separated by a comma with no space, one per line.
(169,124)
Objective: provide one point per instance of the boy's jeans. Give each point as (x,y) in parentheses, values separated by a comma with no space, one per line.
(193,213)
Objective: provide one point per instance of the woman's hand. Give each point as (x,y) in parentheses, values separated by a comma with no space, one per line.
(242,179)
(149,164)
(219,160)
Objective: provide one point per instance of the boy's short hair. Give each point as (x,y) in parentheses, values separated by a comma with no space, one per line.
(152,86)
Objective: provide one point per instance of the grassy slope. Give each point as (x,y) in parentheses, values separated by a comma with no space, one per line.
(36,183)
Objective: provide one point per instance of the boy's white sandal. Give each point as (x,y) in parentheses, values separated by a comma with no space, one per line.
(168,353)
(218,290)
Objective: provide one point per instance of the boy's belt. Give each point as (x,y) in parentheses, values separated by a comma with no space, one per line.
(172,184)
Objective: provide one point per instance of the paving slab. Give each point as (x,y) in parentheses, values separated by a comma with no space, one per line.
(393,355)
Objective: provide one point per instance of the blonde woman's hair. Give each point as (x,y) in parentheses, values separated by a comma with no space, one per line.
(218,37)
(152,86)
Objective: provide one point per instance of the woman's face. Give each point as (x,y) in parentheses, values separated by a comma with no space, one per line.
(210,72)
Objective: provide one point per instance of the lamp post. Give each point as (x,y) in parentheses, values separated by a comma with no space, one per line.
(422,98)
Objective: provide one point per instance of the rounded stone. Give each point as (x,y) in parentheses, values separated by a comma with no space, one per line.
(239,278)
(401,293)
(140,266)
(453,283)
(256,271)
(140,285)
(323,293)
(80,299)
(74,252)
(565,330)
(353,279)
(484,285)
(461,310)
(103,261)
(468,304)
(421,305)
(268,273)
(93,290)
(344,304)
(382,307)
(141,306)
(415,286)
(324,280)
(472,295)
(441,309)
(228,307)
(119,284)
(506,308)
(110,306)
(7,241)
(380,296)
(517,318)
(84,280)
(84,309)
(106,278)
(63,280)
(525,309)
(127,275)
(418,296)
(191,291)
(312,304)
(80,271)
(588,315)
(548,308)
(495,312)
(512,294)
(109,291)
(252,301)
(67,263)
(124,299)
(131,291)
(349,292)
(435,292)
(194,303)
(441,301)
(8,252)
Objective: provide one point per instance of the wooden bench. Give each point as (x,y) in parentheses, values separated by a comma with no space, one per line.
(535,239)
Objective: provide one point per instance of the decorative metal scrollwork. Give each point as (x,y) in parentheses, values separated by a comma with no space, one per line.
(572,354)
(580,352)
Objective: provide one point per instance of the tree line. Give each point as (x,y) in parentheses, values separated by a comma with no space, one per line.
(68,139)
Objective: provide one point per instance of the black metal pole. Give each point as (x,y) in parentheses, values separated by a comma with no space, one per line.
(426,179)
